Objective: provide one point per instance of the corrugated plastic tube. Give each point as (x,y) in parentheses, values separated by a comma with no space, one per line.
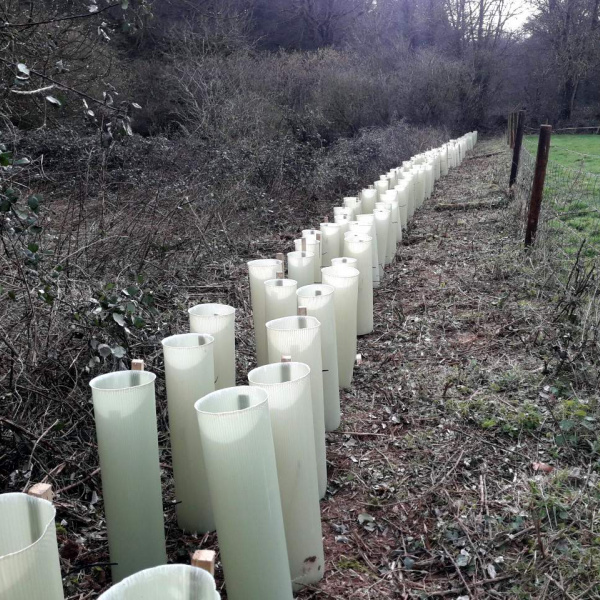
(331,239)
(358,245)
(280,298)
(311,244)
(218,320)
(300,339)
(125,414)
(346,261)
(344,280)
(368,197)
(366,225)
(354,203)
(382,187)
(235,427)
(169,582)
(344,210)
(287,386)
(260,271)
(189,374)
(29,563)
(402,191)
(390,251)
(382,225)
(301,267)
(344,222)
(319,303)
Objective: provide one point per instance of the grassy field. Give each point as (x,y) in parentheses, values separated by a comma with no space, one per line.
(573,187)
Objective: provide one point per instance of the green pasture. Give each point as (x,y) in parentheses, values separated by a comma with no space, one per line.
(573,187)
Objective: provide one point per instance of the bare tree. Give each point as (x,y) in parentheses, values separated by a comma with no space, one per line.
(571,30)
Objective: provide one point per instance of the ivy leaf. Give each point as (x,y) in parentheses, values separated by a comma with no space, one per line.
(53,100)
(567,425)
(33,247)
(124,4)
(34,202)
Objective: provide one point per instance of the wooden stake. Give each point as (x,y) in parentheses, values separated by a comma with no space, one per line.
(280,256)
(302,311)
(537,189)
(286,358)
(204,559)
(303,244)
(42,490)
(359,360)
(517,151)
(137,364)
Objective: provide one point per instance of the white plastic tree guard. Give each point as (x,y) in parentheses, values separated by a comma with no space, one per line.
(189,374)
(344,280)
(390,250)
(344,261)
(301,267)
(260,271)
(319,303)
(354,203)
(331,240)
(311,244)
(358,245)
(169,582)
(218,320)
(368,197)
(366,224)
(344,223)
(287,385)
(402,190)
(280,298)
(300,338)
(382,226)
(235,427)
(382,187)
(125,414)
(29,563)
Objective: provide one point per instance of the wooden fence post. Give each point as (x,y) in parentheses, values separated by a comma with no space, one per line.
(508,129)
(517,151)
(537,189)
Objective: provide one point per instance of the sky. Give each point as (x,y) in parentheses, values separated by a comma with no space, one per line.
(525,11)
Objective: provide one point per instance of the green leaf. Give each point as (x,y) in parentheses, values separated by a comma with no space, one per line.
(124,4)
(34,202)
(36,229)
(138,322)
(23,69)
(21,162)
(5,159)
(567,425)
(118,319)
(33,247)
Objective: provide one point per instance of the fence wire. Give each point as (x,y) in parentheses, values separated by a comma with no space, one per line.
(566,252)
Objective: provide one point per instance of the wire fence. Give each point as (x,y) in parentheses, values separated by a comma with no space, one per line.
(565,257)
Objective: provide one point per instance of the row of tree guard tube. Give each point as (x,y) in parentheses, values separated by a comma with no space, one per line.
(247,460)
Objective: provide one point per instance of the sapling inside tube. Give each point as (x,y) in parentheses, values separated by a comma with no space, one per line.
(259,271)
(300,338)
(29,563)
(239,454)
(218,320)
(189,374)
(318,301)
(287,385)
(125,415)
